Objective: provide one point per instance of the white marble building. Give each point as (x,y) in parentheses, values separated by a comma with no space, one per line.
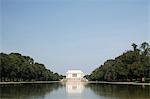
(74,75)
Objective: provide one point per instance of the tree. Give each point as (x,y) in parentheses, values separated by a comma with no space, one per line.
(16,67)
(134,46)
(130,66)
(145,48)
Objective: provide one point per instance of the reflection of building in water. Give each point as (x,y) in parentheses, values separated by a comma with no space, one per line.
(74,87)
(74,75)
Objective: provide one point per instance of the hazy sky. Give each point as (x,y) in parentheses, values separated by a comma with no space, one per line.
(73,34)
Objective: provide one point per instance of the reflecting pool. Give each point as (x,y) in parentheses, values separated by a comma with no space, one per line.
(74,90)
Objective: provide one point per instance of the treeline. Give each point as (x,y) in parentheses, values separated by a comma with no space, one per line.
(16,67)
(133,65)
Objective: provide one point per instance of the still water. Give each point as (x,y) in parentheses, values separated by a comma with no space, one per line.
(73,91)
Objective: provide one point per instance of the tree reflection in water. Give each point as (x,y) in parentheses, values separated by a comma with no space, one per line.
(73,90)
(120,91)
(27,91)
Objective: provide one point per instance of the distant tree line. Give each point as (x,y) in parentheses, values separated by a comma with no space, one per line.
(133,65)
(16,67)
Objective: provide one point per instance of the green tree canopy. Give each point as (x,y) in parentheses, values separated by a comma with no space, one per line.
(16,67)
(132,64)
